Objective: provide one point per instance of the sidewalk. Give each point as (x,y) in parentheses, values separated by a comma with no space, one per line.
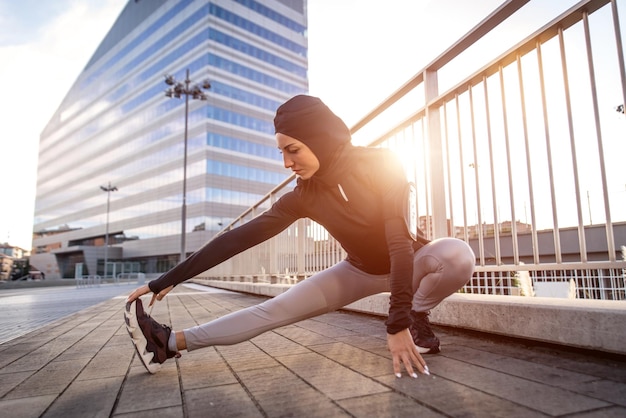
(336,365)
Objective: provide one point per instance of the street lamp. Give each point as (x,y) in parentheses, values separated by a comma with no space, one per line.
(107,189)
(177,90)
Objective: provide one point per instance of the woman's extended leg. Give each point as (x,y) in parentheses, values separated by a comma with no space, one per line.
(323,292)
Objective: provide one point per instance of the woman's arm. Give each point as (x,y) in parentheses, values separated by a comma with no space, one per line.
(401,283)
(230,243)
(393,188)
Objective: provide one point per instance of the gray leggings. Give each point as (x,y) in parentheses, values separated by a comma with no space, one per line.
(440,268)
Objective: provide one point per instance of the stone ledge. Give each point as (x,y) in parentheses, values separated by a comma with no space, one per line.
(588,324)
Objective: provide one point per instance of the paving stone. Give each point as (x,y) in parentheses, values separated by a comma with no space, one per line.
(86,398)
(8,381)
(170,412)
(547,374)
(325,329)
(333,379)
(390,404)
(275,344)
(220,401)
(303,336)
(607,390)
(609,412)
(143,391)
(110,361)
(246,356)
(31,407)
(51,379)
(455,399)
(547,399)
(204,368)
(280,393)
(356,359)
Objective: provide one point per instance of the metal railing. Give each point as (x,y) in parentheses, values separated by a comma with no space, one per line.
(532,132)
(92,280)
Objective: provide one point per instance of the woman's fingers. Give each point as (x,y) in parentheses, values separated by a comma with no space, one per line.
(404,353)
(137,293)
(154,297)
(164,292)
(159,296)
(408,366)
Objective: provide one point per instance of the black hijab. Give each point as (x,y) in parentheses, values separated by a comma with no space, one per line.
(310,121)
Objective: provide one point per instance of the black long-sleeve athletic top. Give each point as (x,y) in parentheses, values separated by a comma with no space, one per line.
(361,200)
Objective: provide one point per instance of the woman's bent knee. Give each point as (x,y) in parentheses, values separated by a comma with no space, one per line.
(455,256)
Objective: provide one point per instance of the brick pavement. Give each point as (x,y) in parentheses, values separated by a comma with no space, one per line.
(336,365)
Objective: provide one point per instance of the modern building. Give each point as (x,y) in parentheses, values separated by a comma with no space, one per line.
(13,251)
(112,157)
(11,257)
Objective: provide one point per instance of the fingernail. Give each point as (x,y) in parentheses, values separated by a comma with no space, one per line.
(398,375)
(414,375)
(426,371)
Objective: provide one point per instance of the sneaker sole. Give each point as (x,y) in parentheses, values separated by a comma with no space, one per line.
(138,339)
(427,350)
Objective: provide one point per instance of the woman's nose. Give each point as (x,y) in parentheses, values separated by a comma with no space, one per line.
(287,161)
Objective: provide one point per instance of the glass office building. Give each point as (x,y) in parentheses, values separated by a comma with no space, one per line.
(111,159)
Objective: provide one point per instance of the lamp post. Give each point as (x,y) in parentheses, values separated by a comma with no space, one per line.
(177,90)
(107,189)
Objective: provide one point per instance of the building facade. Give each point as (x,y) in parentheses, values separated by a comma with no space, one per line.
(111,159)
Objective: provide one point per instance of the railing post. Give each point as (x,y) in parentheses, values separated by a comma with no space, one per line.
(437,179)
(273,248)
(301,231)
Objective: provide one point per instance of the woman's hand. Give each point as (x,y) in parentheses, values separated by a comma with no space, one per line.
(145,290)
(404,351)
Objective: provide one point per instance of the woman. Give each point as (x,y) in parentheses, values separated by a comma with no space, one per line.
(360,196)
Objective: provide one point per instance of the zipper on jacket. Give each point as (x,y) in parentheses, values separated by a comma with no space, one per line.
(346,203)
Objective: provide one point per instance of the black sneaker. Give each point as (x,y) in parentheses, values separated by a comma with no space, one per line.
(423,336)
(149,337)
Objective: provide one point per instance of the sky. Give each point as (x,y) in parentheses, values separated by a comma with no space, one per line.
(359,52)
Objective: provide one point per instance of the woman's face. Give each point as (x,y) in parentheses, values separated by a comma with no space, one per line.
(297,156)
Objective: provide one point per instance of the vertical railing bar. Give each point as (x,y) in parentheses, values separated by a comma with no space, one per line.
(620,48)
(415,177)
(486,286)
(496,221)
(528,166)
(427,190)
(463,197)
(601,288)
(596,113)
(497,285)
(582,241)
(324,256)
(613,283)
(432,127)
(413,142)
(580,281)
(477,180)
(555,217)
(300,237)
(450,198)
(505,120)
